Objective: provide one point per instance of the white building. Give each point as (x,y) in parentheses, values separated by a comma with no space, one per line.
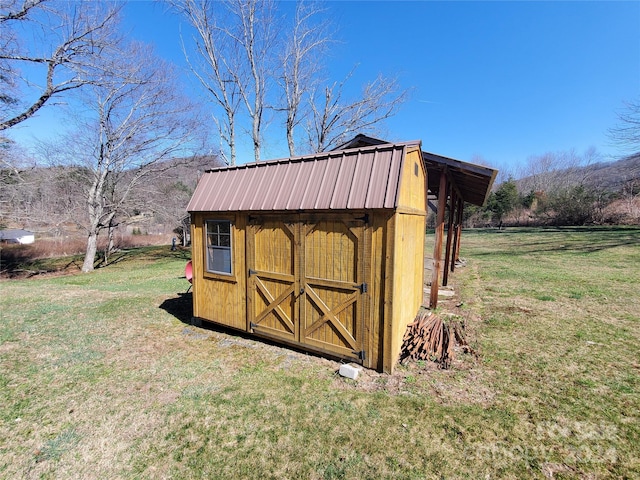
(17,236)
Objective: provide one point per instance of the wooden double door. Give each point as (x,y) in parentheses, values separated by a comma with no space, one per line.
(306,281)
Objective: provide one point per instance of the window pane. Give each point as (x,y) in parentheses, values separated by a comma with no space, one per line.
(212,233)
(219,260)
(224,240)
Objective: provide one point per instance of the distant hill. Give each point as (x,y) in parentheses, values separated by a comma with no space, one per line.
(604,176)
(613,175)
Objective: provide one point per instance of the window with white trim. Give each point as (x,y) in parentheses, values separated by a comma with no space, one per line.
(218,238)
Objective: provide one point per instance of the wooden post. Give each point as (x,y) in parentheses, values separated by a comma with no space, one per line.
(458,233)
(437,249)
(447,255)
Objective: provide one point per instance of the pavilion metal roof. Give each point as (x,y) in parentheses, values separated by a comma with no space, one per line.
(472,182)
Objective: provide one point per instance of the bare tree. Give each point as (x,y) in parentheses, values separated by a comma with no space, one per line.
(334,118)
(256,38)
(234,39)
(40,197)
(217,65)
(167,193)
(630,193)
(136,123)
(536,171)
(627,133)
(33,195)
(14,173)
(11,14)
(306,43)
(68,37)
(244,50)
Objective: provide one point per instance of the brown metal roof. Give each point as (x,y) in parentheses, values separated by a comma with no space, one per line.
(472,181)
(352,179)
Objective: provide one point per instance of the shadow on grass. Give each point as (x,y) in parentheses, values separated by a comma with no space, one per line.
(114,260)
(25,261)
(149,253)
(180,307)
(20,261)
(578,239)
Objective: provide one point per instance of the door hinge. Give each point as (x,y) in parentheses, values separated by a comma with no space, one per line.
(253,325)
(252,272)
(362,287)
(362,355)
(364,218)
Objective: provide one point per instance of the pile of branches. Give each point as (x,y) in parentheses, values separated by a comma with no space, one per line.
(430,338)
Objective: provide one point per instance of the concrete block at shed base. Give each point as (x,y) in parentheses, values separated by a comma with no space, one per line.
(349,371)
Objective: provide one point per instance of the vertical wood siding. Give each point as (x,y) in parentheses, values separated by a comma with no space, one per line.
(413,181)
(217,298)
(379,258)
(408,282)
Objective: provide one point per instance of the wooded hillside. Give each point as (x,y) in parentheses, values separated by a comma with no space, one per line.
(556,194)
(51,201)
(608,176)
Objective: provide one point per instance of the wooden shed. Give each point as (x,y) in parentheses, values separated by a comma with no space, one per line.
(323,252)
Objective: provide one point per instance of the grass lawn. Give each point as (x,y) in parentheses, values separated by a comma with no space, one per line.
(101,376)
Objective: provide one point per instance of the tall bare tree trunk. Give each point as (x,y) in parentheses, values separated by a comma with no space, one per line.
(90,254)
(221,56)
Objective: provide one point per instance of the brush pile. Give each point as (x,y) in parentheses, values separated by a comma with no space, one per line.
(430,338)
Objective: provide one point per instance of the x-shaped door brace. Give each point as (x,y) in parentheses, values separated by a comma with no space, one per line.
(329,315)
(274,304)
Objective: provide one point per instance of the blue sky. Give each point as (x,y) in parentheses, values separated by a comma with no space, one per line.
(495,82)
